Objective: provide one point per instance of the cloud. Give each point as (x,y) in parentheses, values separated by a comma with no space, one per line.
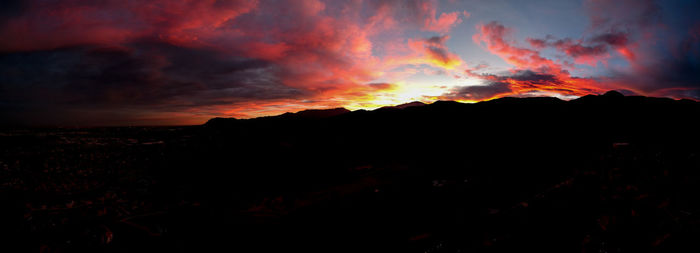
(151,77)
(660,56)
(616,39)
(575,49)
(537,43)
(521,83)
(470,72)
(430,51)
(200,59)
(590,51)
(444,23)
(478,92)
(422,13)
(44,25)
(623,14)
(532,72)
(582,53)
(497,39)
(382,86)
(209,58)
(661,49)
(437,52)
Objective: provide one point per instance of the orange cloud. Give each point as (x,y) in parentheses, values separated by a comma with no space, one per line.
(496,39)
(242,58)
(533,74)
(57,24)
(430,51)
(444,23)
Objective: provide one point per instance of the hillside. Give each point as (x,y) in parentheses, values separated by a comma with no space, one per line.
(599,173)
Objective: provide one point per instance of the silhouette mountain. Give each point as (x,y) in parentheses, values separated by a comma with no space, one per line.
(601,173)
(613,93)
(305,114)
(523,173)
(400,107)
(613,100)
(411,104)
(218,121)
(316,113)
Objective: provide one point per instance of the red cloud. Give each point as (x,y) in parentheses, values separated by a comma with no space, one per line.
(305,54)
(533,73)
(53,24)
(431,51)
(425,13)
(583,54)
(496,39)
(444,23)
(438,54)
(537,43)
(523,83)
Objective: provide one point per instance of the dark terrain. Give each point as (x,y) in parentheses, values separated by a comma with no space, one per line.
(601,173)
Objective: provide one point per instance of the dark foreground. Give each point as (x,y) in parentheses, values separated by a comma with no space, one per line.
(597,174)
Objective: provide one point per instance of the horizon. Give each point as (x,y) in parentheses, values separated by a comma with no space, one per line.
(19,127)
(162,63)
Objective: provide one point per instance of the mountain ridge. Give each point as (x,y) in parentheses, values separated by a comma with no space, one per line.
(608,98)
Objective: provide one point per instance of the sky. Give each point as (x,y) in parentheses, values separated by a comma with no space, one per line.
(161,62)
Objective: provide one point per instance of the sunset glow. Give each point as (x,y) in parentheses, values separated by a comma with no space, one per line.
(182,62)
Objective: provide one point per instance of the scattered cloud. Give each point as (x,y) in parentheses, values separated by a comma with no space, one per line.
(209,58)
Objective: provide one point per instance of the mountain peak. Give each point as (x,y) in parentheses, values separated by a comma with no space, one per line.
(318,113)
(613,93)
(219,121)
(411,104)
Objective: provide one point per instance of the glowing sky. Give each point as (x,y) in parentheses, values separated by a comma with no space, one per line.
(124,62)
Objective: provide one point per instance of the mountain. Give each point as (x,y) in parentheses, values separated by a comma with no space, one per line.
(597,173)
(406,105)
(601,173)
(305,114)
(220,121)
(316,113)
(613,93)
(603,105)
(308,114)
(411,104)
(610,98)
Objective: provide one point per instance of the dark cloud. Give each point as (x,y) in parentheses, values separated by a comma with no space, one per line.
(599,45)
(10,9)
(522,83)
(381,86)
(41,25)
(666,75)
(249,58)
(516,84)
(615,39)
(533,77)
(437,51)
(411,11)
(435,47)
(478,92)
(576,49)
(623,14)
(537,43)
(480,66)
(437,40)
(148,76)
(659,44)
(439,54)
(661,48)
